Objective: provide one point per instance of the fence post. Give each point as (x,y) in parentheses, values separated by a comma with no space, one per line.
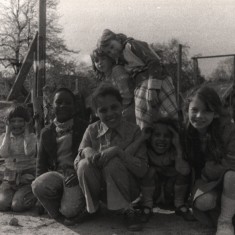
(40,69)
(195,71)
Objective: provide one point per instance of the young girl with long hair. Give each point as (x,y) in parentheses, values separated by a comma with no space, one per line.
(210,147)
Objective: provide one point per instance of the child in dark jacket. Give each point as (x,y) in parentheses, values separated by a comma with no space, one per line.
(56,185)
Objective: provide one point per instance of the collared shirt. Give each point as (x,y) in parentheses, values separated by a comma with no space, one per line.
(99,137)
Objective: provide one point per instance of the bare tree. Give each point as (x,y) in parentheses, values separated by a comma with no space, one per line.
(169,54)
(224,70)
(18,19)
(19,23)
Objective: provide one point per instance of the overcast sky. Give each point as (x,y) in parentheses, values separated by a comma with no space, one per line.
(207,26)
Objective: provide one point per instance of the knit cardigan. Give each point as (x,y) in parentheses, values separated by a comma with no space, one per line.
(47,151)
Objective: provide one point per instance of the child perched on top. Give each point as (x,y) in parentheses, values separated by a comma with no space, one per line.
(103,163)
(168,176)
(18,148)
(154,90)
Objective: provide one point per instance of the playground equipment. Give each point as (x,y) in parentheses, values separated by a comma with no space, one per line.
(226,91)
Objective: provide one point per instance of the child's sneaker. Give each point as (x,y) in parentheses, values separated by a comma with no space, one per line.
(185,212)
(224,228)
(83,215)
(132,220)
(146,214)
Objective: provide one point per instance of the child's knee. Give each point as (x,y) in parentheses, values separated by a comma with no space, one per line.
(83,167)
(18,205)
(182,179)
(72,201)
(68,211)
(149,178)
(114,166)
(47,184)
(37,187)
(23,201)
(6,200)
(206,201)
(229,179)
(41,188)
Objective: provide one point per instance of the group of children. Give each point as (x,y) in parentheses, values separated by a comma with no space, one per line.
(116,161)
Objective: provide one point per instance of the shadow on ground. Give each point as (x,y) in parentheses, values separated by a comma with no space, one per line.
(105,223)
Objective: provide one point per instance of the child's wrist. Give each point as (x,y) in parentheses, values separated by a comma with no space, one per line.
(179,152)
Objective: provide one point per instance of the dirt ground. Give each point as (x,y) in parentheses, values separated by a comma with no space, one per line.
(105,223)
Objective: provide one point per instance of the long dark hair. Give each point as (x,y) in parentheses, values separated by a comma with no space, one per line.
(214,145)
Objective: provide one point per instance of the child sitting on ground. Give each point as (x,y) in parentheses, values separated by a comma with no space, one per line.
(102,161)
(210,148)
(56,186)
(168,175)
(18,148)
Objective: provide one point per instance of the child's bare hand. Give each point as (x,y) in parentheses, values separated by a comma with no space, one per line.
(146,133)
(182,167)
(111,151)
(175,138)
(27,128)
(213,170)
(8,127)
(108,154)
(88,153)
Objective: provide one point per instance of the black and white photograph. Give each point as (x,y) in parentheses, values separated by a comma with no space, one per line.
(117,117)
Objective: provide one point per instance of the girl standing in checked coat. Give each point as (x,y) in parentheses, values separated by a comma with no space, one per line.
(154,93)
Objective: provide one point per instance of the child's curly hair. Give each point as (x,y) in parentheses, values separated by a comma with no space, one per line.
(17,110)
(107,36)
(168,121)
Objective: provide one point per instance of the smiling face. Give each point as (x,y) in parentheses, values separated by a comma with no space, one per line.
(17,125)
(199,115)
(113,49)
(109,110)
(103,64)
(161,138)
(63,105)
